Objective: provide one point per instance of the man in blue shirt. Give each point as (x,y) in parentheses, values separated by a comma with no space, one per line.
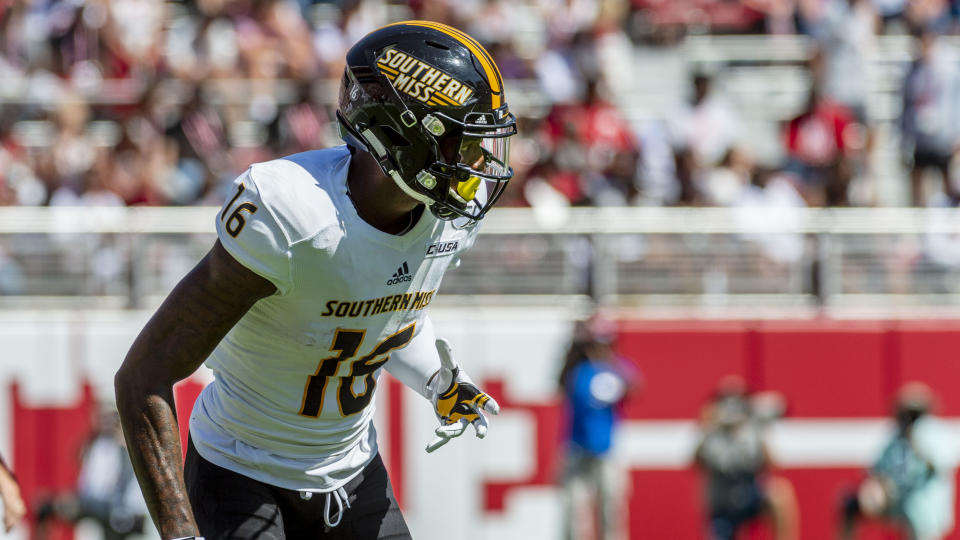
(595,382)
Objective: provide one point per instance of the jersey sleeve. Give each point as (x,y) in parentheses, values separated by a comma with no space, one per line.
(414,364)
(249,231)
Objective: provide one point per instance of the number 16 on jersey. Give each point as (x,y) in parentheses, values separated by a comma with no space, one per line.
(236,221)
(346,343)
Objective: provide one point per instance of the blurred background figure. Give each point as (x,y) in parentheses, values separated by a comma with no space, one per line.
(595,382)
(107,491)
(13,507)
(592,151)
(931,117)
(704,132)
(737,464)
(911,484)
(822,144)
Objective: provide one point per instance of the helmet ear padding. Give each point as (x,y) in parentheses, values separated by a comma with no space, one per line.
(379,150)
(412,193)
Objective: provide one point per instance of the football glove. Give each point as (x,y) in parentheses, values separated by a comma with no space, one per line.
(457,401)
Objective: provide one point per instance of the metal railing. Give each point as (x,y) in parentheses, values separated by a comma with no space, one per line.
(632,257)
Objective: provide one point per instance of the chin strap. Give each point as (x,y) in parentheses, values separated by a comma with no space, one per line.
(412,193)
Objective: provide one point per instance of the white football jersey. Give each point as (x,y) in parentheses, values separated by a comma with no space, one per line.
(292,402)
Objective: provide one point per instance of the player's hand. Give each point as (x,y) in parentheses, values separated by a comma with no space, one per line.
(457,401)
(13,510)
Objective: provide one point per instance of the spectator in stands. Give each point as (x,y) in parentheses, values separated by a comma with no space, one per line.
(821,144)
(930,121)
(770,211)
(779,15)
(846,34)
(200,138)
(707,126)
(658,183)
(912,482)
(701,133)
(274,42)
(617,184)
(847,37)
(891,14)
(71,151)
(13,507)
(302,125)
(932,14)
(726,184)
(595,381)
(584,138)
(736,462)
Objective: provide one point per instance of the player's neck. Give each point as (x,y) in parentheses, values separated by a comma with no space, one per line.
(377,198)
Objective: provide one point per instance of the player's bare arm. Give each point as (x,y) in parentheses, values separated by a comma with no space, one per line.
(196,315)
(14,508)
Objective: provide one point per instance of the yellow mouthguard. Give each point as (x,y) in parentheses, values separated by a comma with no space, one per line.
(468,188)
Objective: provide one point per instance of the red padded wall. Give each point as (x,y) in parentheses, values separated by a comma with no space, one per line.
(827,369)
(681,363)
(666,504)
(185,394)
(929,351)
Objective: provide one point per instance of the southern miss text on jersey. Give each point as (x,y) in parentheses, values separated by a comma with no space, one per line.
(292,402)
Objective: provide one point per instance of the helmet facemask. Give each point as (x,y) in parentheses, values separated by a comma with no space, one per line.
(471,167)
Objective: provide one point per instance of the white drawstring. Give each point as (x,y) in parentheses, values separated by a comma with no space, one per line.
(340,495)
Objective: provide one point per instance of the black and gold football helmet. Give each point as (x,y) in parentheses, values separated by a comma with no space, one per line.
(427,101)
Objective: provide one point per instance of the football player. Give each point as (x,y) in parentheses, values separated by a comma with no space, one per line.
(324,264)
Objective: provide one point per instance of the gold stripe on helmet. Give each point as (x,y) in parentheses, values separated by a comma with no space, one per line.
(490,68)
(494,79)
(483,52)
(387,68)
(444,100)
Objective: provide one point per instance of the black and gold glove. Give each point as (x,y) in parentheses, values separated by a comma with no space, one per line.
(457,401)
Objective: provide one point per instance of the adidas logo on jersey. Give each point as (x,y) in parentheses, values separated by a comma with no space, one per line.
(401,275)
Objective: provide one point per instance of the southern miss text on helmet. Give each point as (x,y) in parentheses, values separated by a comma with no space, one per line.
(427,101)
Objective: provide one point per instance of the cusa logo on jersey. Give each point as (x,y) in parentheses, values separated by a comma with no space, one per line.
(402,274)
(440,248)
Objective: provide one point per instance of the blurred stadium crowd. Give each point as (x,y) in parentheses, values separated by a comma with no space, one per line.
(152,102)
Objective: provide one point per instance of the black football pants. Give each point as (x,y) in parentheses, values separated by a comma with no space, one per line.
(228,505)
